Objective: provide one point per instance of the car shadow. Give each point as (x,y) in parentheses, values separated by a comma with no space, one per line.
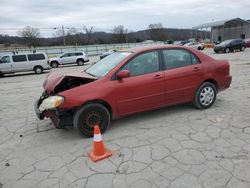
(149,115)
(70,133)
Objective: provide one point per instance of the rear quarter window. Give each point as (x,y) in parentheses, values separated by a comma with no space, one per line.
(19,58)
(34,57)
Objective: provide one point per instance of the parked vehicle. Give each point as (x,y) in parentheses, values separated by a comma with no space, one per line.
(132,81)
(247,41)
(24,62)
(105,54)
(69,58)
(230,45)
(195,45)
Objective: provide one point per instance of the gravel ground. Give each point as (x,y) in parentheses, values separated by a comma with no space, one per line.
(172,147)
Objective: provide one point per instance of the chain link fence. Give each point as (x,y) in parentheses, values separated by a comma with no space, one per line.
(91,50)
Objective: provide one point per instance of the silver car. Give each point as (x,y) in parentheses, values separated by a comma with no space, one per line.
(68,58)
(24,62)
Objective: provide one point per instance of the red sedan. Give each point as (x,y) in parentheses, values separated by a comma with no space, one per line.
(247,41)
(132,81)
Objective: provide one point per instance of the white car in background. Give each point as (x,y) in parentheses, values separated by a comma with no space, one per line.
(196,45)
(69,58)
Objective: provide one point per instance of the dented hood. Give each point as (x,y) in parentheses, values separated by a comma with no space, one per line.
(56,77)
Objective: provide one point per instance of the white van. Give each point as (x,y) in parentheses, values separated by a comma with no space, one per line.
(24,62)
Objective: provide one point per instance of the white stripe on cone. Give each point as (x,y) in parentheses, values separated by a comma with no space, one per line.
(97,137)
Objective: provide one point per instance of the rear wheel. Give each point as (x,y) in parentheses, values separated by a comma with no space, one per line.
(54,64)
(242,48)
(1,75)
(227,50)
(80,62)
(199,48)
(38,70)
(90,115)
(205,95)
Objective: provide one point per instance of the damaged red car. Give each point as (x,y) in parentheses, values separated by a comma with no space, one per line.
(132,81)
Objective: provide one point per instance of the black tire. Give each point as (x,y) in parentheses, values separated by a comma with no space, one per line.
(199,48)
(227,50)
(38,70)
(209,90)
(54,64)
(89,115)
(1,75)
(80,62)
(242,48)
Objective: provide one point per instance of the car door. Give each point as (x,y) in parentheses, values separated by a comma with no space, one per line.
(144,89)
(6,65)
(20,63)
(66,58)
(183,72)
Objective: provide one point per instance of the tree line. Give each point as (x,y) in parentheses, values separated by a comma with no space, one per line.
(31,37)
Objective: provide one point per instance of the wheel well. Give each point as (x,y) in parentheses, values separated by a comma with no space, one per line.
(37,66)
(213,82)
(53,62)
(80,59)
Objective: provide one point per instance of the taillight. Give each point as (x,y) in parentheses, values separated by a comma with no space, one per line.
(227,69)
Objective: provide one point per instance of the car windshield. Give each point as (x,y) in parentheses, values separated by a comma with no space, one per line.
(105,65)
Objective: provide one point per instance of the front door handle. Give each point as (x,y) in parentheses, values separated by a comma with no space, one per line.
(196,69)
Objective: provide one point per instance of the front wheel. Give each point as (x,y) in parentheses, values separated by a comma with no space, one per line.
(90,115)
(205,95)
(54,64)
(227,50)
(242,48)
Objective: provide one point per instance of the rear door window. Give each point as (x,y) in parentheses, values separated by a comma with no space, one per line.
(174,58)
(19,58)
(71,54)
(34,57)
(194,59)
(78,53)
(65,55)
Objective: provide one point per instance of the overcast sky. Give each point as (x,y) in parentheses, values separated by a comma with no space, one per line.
(105,14)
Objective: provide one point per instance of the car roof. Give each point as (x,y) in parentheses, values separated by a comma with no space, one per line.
(152,47)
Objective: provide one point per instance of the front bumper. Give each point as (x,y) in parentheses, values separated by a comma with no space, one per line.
(60,118)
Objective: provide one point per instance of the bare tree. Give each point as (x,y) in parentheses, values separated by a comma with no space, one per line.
(88,32)
(73,36)
(157,32)
(120,34)
(30,35)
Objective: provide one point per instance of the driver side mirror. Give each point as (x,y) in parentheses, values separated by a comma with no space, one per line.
(123,74)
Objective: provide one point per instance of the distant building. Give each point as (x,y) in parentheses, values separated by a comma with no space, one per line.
(227,29)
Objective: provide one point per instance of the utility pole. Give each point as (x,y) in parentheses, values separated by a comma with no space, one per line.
(64,43)
(126,35)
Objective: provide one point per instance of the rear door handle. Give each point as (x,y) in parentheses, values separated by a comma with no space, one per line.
(158,76)
(196,69)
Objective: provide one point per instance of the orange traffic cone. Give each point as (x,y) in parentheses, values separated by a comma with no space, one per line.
(99,151)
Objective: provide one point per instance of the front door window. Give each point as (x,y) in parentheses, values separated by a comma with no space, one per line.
(5,59)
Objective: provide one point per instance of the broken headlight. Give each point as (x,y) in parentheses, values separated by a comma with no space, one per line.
(51,102)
